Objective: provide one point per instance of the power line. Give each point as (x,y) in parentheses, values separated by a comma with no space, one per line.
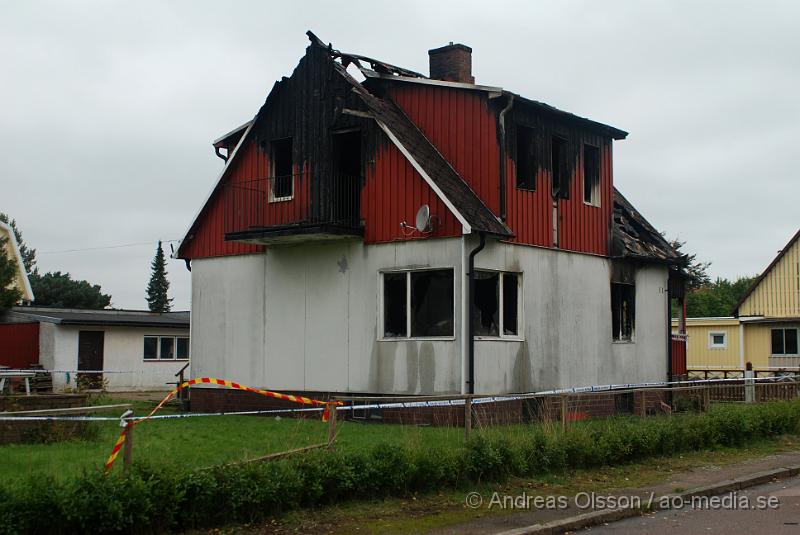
(119,246)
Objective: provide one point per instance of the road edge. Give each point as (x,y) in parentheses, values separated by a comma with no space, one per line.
(595,518)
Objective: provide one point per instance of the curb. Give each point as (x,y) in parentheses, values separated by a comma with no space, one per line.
(593,518)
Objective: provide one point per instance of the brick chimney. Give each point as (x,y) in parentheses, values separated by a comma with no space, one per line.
(452,63)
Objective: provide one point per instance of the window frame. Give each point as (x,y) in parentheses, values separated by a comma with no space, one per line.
(713,345)
(519,337)
(272,173)
(381,308)
(175,338)
(595,202)
(783,334)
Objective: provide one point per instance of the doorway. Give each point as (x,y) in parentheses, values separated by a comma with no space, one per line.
(90,357)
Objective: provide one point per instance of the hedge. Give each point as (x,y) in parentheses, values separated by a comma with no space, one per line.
(154,498)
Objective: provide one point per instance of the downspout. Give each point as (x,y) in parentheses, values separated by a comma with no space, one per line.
(470,318)
(220,155)
(502,124)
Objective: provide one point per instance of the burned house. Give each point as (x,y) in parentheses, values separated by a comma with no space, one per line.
(377,230)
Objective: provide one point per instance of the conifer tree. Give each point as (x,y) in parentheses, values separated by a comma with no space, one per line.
(157,289)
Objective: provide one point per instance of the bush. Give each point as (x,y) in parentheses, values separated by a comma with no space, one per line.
(152,498)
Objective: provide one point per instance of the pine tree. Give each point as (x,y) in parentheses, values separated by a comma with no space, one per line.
(158,287)
(9,293)
(28,255)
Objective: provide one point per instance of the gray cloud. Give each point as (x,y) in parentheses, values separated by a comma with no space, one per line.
(109,109)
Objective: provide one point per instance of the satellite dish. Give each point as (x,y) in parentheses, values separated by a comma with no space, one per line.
(423,218)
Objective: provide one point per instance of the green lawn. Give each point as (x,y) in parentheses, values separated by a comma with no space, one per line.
(201,442)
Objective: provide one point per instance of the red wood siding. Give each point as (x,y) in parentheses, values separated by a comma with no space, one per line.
(393,193)
(19,344)
(208,238)
(678,355)
(461,126)
(583,227)
(529,213)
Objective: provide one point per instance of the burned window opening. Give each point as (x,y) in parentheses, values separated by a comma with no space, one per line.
(510,304)
(527,166)
(591,175)
(623,311)
(496,304)
(346,180)
(432,303)
(784,342)
(486,304)
(281,158)
(559,169)
(394,305)
(429,297)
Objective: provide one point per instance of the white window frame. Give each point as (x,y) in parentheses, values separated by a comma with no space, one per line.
(175,338)
(381,308)
(595,201)
(723,345)
(519,337)
(784,354)
(272,197)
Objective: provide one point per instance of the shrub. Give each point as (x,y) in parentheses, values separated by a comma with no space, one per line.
(151,498)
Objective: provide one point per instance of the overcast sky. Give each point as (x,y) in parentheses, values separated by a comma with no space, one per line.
(109,109)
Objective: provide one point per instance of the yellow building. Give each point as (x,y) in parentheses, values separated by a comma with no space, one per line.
(12,251)
(764,327)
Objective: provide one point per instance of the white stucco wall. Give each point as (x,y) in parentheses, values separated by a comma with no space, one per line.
(123,349)
(305,317)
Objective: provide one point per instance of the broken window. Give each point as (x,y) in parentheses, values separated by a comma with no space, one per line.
(281,188)
(784,341)
(558,170)
(526,159)
(394,305)
(495,304)
(427,295)
(623,308)
(591,175)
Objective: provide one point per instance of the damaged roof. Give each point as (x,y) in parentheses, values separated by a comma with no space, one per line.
(429,162)
(632,236)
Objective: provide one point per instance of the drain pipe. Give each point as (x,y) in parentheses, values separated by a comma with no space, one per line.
(502,124)
(470,318)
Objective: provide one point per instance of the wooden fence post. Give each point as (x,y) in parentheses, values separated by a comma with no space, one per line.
(564,412)
(467,418)
(127,454)
(706,398)
(331,424)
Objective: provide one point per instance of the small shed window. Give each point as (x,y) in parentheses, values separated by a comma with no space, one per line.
(623,311)
(166,348)
(495,304)
(591,175)
(150,347)
(784,341)
(717,340)
(281,181)
(418,304)
(527,165)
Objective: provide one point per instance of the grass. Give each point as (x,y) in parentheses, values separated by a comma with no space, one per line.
(200,442)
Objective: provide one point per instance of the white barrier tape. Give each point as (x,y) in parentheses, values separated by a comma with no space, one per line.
(37,370)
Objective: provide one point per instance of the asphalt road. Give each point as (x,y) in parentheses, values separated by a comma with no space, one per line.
(780,515)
